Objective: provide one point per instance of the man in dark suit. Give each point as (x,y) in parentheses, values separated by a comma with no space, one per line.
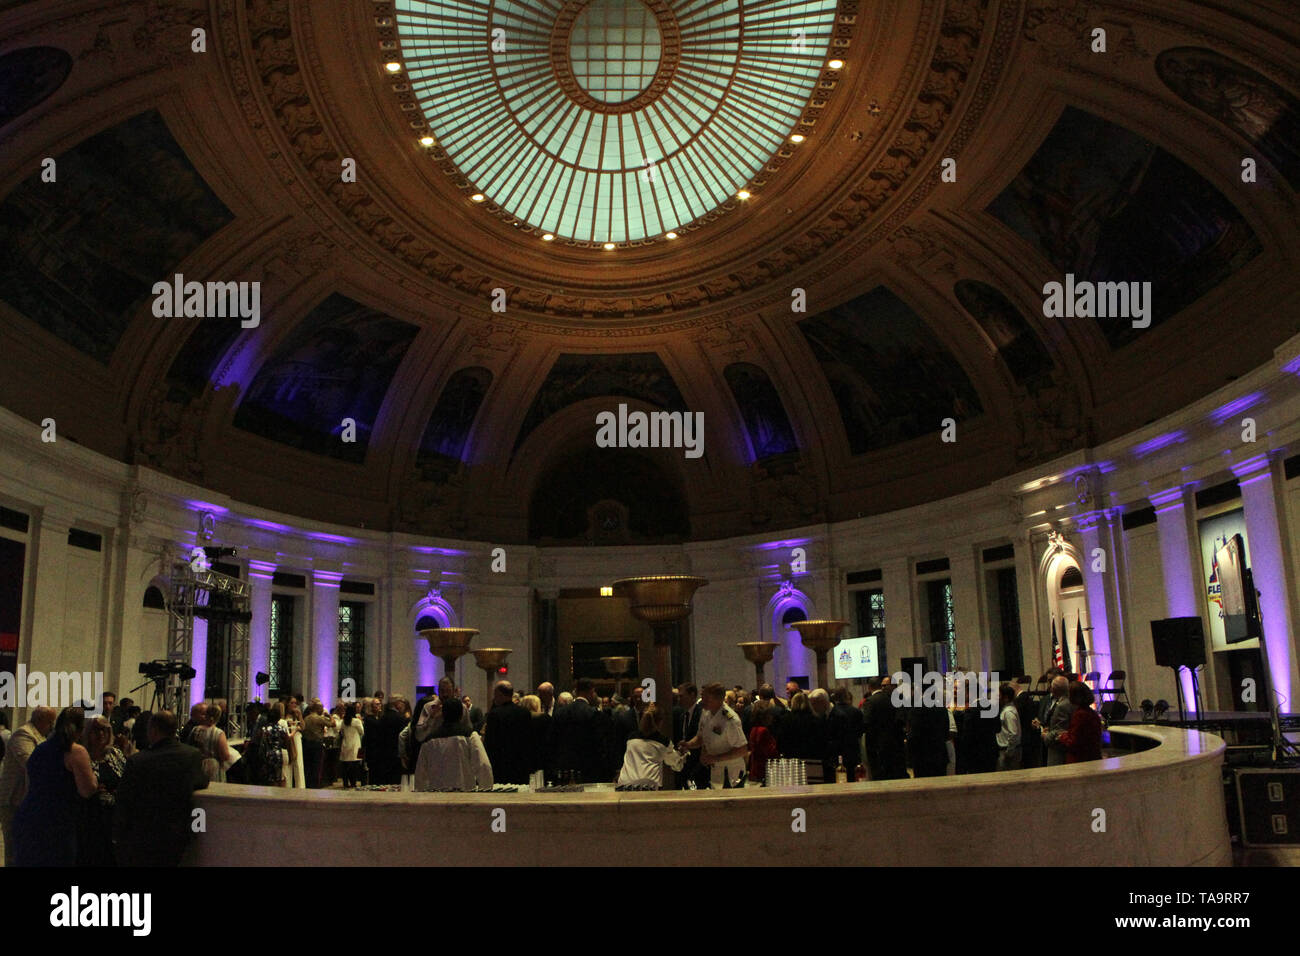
(509,738)
(578,731)
(626,724)
(686,725)
(927,736)
(846,731)
(381,744)
(152,818)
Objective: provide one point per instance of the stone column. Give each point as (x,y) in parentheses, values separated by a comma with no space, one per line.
(325,636)
(1174,516)
(1262,486)
(1031,635)
(900,625)
(972,639)
(1094,534)
(260,575)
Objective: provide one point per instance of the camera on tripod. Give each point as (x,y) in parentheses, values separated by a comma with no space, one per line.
(162,669)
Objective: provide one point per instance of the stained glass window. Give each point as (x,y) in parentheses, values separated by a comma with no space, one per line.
(612,120)
(352,644)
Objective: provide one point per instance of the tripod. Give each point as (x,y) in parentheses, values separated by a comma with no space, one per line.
(158,701)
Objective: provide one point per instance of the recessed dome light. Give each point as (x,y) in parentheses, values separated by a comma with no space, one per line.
(477,197)
(393,67)
(670,235)
(743,194)
(796,137)
(426,140)
(836,64)
(609,246)
(548,238)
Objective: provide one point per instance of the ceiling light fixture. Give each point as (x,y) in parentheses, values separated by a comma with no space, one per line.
(609,246)
(548,238)
(393,67)
(426,140)
(477,197)
(796,137)
(836,64)
(670,235)
(743,194)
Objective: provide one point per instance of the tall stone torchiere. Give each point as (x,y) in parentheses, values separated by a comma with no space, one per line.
(661,600)
(758,653)
(489,659)
(616,667)
(821,636)
(448,644)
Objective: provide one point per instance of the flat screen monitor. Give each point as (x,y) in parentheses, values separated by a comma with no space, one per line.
(856,658)
(1236,592)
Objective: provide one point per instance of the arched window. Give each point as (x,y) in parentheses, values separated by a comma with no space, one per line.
(153,598)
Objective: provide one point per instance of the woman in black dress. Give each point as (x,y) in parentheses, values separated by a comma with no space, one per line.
(59,777)
(95,843)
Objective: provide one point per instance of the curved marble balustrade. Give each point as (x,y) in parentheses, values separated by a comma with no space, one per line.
(1163,807)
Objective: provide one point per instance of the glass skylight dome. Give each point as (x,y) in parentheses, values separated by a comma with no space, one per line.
(612,120)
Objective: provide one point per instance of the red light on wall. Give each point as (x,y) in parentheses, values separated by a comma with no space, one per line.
(503,669)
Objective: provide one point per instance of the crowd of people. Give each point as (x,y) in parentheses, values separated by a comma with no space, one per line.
(117,787)
(720,737)
(77,791)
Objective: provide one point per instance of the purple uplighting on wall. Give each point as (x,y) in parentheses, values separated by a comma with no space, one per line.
(1160,441)
(1224,412)
(325,620)
(269,525)
(199,661)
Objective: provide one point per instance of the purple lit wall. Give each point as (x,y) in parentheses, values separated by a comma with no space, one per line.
(199,661)
(1095,587)
(325,631)
(1176,563)
(1259,498)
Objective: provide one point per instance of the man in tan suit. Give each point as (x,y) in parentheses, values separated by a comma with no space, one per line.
(13,772)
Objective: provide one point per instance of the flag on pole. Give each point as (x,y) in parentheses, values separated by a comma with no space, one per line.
(1056,647)
(1078,642)
(1065,648)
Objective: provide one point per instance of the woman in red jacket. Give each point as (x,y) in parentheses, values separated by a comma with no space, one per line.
(1083,740)
(762,742)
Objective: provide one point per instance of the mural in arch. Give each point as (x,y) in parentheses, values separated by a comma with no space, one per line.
(443,445)
(761,409)
(1104,204)
(30,76)
(336,363)
(575,378)
(1017,343)
(80,259)
(1248,103)
(891,377)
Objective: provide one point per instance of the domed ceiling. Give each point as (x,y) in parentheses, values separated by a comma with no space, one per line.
(438,240)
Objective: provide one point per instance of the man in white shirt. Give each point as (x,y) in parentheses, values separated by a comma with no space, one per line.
(13,772)
(721,740)
(1009,754)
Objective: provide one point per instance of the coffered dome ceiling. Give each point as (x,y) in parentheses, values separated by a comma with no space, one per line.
(390,172)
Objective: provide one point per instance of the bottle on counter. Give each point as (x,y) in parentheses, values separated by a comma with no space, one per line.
(841,772)
(862,772)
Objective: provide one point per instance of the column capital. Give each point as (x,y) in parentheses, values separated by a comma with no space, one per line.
(1170,498)
(1252,469)
(326,579)
(1090,521)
